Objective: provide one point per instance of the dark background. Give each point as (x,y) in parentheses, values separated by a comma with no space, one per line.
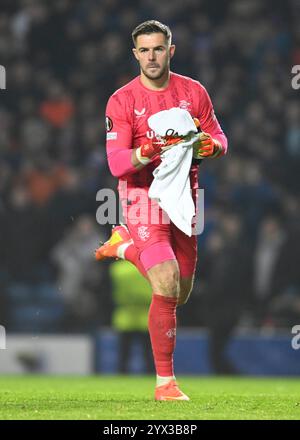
(63,60)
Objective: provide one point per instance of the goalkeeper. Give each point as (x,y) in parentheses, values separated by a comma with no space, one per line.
(162,252)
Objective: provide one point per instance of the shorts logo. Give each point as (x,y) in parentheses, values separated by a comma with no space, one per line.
(108,123)
(143,232)
(171,333)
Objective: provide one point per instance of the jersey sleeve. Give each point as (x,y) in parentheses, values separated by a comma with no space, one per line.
(118,125)
(208,120)
(119,137)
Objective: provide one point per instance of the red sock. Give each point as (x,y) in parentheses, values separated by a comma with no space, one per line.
(132,255)
(162,329)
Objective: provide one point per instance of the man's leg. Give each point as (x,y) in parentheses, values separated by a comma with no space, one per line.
(186,286)
(150,248)
(131,254)
(165,282)
(120,245)
(185,249)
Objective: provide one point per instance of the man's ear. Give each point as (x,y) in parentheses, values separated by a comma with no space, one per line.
(135,52)
(172,50)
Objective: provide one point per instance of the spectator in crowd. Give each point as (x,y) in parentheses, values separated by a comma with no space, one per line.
(132,297)
(226,277)
(64,59)
(78,275)
(276,274)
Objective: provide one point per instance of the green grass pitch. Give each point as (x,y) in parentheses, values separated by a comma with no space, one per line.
(131,398)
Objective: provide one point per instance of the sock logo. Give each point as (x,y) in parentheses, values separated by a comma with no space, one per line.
(171,333)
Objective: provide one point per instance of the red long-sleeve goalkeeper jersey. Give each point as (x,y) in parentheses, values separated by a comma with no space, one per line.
(127,112)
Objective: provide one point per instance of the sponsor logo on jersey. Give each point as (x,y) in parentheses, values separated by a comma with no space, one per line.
(112,136)
(150,134)
(108,123)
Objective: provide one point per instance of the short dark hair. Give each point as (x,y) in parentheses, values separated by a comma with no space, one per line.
(151,27)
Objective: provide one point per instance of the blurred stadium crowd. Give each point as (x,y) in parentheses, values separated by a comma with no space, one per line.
(63,60)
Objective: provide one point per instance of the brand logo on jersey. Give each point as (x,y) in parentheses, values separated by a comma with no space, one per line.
(140,113)
(143,233)
(108,123)
(184,104)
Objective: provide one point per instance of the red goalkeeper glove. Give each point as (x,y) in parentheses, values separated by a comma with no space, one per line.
(145,153)
(206,146)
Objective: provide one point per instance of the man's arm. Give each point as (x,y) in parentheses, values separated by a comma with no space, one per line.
(121,156)
(123,161)
(212,140)
(127,161)
(135,161)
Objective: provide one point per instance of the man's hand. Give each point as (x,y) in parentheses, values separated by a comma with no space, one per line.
(145,153)
(206,146)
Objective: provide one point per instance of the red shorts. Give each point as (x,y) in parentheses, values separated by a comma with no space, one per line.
(157,239)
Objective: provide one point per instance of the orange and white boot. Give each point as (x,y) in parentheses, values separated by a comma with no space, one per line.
(169,391)
(117,244)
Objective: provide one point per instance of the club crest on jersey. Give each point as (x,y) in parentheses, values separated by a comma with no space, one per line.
(184,104)
(140,113)
(108,123)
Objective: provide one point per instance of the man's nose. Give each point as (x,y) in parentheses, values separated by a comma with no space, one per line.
(151,55)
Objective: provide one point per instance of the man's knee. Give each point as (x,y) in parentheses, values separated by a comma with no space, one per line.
(164,278)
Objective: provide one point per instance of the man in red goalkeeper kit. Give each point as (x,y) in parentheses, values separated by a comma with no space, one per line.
(160,250)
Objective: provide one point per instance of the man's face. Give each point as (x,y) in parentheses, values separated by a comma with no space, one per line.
(153,53)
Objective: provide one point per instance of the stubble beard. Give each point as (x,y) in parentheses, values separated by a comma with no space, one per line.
(157,75)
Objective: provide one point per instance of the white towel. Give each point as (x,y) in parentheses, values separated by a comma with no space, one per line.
(175,118)
(171,185)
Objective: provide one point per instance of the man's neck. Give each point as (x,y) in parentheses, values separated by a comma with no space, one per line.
(156,84)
